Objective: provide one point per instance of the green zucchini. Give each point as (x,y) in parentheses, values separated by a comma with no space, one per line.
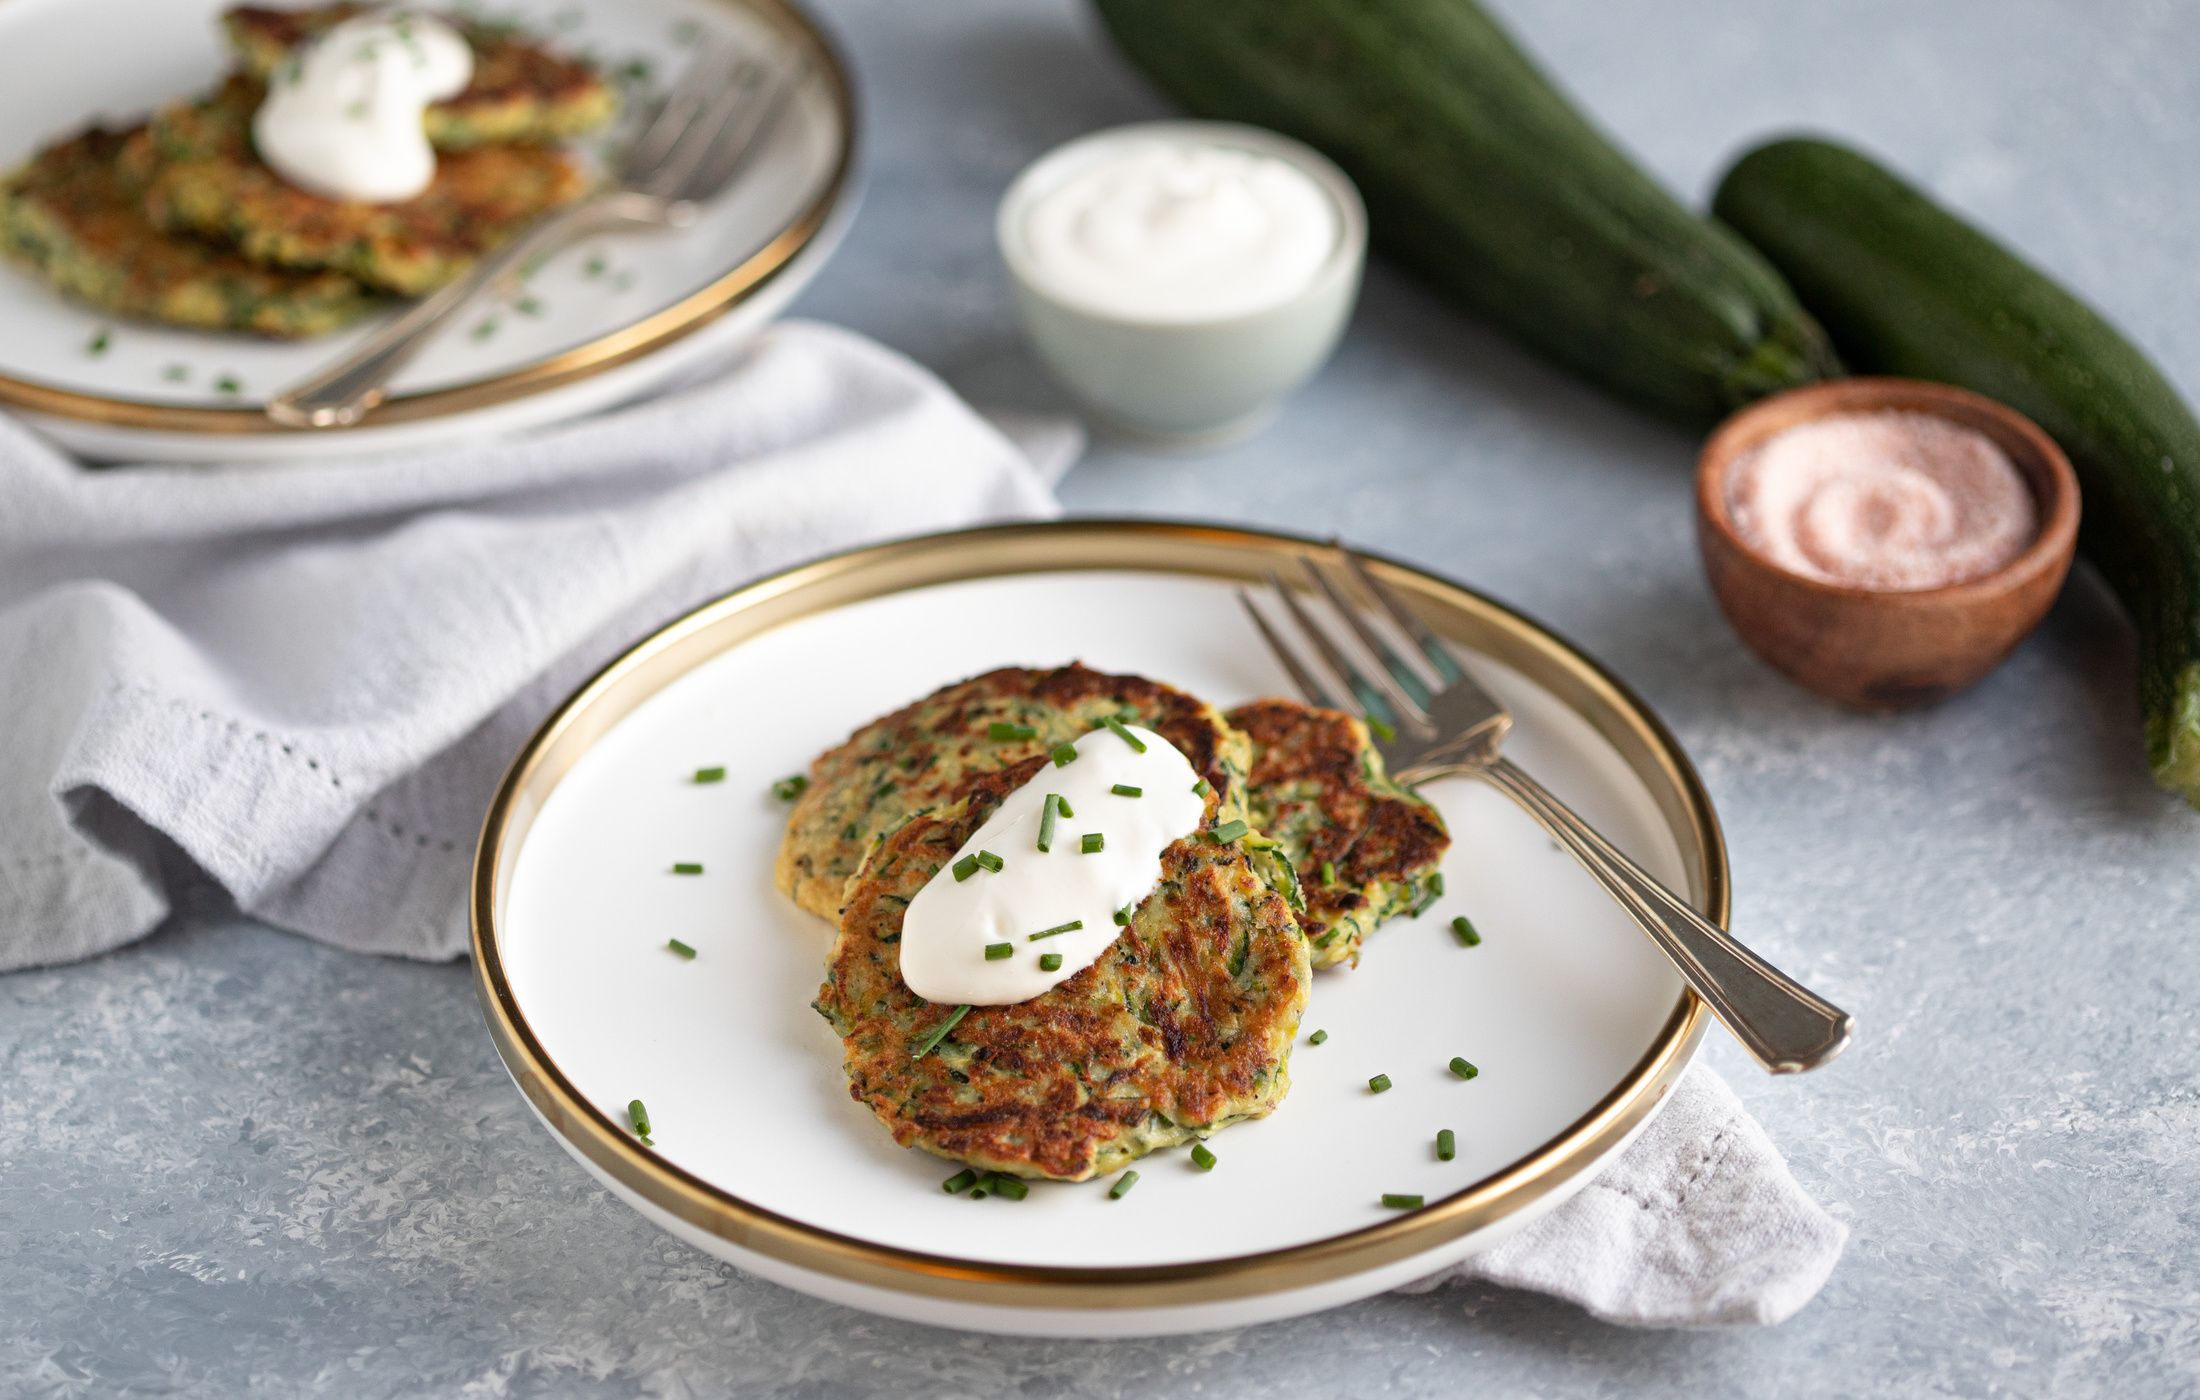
(1483,179)
(1908,288)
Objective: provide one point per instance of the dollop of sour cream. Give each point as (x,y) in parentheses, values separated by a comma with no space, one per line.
(950,923)
(343,118)
(1177,230)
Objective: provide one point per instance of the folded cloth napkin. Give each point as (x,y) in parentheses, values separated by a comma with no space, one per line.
(303,681)
(1698,1224)
(306,679)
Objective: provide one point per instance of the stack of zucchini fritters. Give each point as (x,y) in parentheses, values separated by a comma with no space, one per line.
(1185,1025)
(177,220)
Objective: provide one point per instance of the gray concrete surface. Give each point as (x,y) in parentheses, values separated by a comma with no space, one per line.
(232,1162)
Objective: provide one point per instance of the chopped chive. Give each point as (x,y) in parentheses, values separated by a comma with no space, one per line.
(1330,937)
(176,374)
(1001,731)
(788,789)
(982,1189)
(1329,872)
(594,266)
(710,775)
(988,861)
(100,342)
(1462,1068)
(229,384)
(1014,1188)
(637,1118)
(939,1033)
(687,867)
(994,952)
(1379,1083)
(1447,1145)
(960,1182)
(1092,843)
(1050,962)
(1398,1201)
(1061,806)
(1071,927)
(1382,728)
(1123,1185)
(1436,883)
(528,306)
(681,948)
(965,868)
(1431,892)
(484,328)
(1261,843)
(1126,790)
(1064,755)
(1200,787)
(1122,917)
(1317,1037)
(1465,931)
(1115,727)
(1046,822)
(1229,831)
(1202,1158)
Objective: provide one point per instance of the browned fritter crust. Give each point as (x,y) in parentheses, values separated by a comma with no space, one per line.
(521,91)
(202,176)
(1318,787)
(928,753)
(77,216)
(1183,1026)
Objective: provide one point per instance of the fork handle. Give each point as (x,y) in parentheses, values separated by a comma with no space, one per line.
(352,387)
(1784,1024)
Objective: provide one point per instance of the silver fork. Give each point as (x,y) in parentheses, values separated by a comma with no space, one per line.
(1433,720)
(690,151)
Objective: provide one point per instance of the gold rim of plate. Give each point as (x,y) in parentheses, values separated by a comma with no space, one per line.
(630,342)
(1145,546)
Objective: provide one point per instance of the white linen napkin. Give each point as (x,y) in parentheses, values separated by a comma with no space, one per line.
(302,681)
(307,678)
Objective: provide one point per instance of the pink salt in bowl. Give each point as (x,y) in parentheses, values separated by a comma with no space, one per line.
(1881,648)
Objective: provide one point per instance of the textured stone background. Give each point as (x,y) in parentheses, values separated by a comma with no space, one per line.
(234,1163)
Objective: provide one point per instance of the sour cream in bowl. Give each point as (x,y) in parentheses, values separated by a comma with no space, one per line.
(1182,277)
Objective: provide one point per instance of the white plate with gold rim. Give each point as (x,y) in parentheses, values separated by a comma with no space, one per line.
(602,322)
(760,1156)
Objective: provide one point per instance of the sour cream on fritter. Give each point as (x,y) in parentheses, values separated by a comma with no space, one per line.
(343,117)
(1046,915)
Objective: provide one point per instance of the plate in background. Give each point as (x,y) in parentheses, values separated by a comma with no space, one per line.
(607,319)
(760,1157)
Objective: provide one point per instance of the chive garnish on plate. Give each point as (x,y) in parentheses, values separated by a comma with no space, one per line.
(1001,731)
(1064,755)
(960,1182)
(988,861)
(994,952)
(1014,1188)
(1229,831)
(1200,787)
(637,1118)
(1123,1185)
(1126,790)
(1092,843)
(1463,1068)
(1465,932)
(965,868)
(687,867)
(229,384)
(1202,1158)
(1397,1200)
(710,775)
(939,1033)
(1447,1145)
(1317,1037)
(1050,962)
(1436,883)
(1071,927)
(681,948)
(1122,917)
(1379,1083)
(1062,807)
(1117,728)
(1046,822)
(1381,728)
(99,342)
(788,789)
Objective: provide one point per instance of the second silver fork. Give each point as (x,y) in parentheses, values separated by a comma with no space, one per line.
(1432,719)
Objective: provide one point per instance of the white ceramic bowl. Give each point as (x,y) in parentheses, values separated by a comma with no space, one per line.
(1175,380)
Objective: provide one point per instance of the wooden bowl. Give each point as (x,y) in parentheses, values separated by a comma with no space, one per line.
(1878,649)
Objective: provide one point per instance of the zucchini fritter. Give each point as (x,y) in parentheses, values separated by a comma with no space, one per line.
(1318,788)
(202,177)
(520,90)
(927,754)
(77,216)
(1183,1026)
